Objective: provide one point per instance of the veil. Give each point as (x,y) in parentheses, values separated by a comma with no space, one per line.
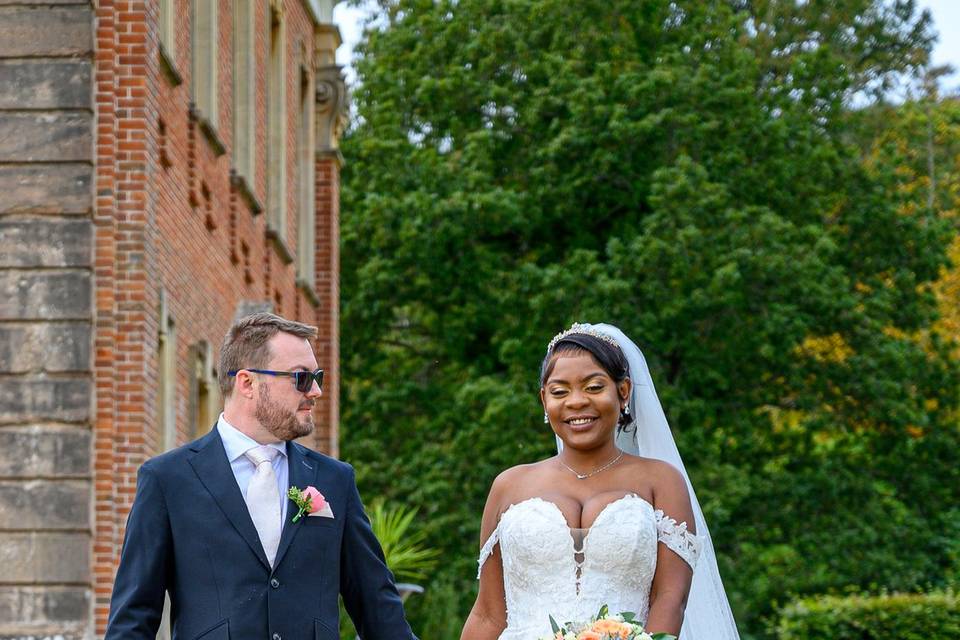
(708,614)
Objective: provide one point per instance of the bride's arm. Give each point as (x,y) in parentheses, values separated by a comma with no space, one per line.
(488,618)
(671,582)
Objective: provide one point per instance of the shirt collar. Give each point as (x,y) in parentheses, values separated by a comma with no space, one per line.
(236,443)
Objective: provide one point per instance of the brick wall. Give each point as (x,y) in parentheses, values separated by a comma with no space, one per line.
(118,199)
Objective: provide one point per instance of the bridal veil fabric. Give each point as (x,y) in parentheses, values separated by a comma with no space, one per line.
(708,615)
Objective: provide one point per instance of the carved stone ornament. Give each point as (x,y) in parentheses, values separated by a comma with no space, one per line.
(333,102)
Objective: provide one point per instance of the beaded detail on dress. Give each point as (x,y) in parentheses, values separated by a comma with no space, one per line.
(541,574)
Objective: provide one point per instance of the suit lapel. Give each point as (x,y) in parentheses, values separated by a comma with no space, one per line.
(303,473)
(212,467)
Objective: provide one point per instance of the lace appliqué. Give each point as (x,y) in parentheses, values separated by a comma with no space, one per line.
(487,549)
(677,538)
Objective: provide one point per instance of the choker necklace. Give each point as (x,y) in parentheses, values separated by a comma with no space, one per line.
(584,476)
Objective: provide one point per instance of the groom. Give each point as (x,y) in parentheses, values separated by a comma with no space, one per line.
(212,527)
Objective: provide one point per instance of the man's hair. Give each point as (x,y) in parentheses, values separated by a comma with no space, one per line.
(245,345)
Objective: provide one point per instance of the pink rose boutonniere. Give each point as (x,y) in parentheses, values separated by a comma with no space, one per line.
(309,501)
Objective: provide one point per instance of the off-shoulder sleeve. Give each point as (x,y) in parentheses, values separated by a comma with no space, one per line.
(678,539)
(487,549)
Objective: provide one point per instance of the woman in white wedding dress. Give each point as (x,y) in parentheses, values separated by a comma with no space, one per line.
(597,524)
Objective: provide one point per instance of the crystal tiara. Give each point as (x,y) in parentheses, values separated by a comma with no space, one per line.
(584,329)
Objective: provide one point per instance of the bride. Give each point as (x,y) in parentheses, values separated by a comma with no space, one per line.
(611,519)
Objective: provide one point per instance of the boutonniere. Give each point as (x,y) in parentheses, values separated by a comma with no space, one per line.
(309,501)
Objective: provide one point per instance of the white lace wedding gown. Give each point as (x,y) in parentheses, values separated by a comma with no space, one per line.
(541,574)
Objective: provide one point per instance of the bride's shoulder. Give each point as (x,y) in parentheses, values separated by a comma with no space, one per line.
(661,473)
(515,479)
(520,473)
(652,465)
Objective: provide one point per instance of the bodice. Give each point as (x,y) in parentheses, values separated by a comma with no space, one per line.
(551,569)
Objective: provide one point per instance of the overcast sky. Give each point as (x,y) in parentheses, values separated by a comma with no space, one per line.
(946,18)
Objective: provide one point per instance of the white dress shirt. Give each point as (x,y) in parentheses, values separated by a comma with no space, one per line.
(236,443)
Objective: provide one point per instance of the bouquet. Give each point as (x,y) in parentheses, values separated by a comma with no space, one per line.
(605,626)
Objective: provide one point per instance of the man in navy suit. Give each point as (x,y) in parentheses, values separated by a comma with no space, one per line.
(211,524)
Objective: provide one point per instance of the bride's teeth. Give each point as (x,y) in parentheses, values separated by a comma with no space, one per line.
(579,421)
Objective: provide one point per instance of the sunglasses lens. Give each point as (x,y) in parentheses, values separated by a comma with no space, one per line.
(304,380)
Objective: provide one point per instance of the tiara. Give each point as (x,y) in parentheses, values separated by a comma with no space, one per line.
(583,329)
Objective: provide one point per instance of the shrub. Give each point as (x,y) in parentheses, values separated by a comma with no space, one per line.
(902,616)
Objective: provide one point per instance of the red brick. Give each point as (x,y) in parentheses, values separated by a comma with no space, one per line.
(149,237)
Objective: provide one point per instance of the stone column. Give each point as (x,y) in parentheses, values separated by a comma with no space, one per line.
(46,123)
(331,119)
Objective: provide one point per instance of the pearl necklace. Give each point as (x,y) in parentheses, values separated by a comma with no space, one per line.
(584,476)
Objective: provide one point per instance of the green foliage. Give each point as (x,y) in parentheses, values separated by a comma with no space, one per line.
(694,174)
(904,616)
(403,549)
(402,546)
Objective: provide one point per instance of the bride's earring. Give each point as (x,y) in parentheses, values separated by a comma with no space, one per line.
(546,420)
(626,409)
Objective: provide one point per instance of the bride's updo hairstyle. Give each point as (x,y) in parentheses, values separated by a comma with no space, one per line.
(604,351)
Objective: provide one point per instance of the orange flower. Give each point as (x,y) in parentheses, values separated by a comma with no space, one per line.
(589,635)
(611,628)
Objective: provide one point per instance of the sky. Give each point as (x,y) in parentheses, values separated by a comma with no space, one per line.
(946,19)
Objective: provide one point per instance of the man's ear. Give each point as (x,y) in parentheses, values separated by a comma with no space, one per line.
(243,384)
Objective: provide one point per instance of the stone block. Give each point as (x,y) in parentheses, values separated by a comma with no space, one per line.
(45,30)
(45,295)
(44,504)
(45,84)
(46,188)
(36,399)
(46,242)
(38,612)
(45,557)
(47,451)
(45,346)
(45,136)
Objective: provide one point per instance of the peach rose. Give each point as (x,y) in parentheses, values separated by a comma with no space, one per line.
(589,635)
(611,628)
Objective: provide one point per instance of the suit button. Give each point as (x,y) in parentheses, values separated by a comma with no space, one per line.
(276,585)
(276,636)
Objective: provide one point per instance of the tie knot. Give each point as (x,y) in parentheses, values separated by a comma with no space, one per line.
(261,454)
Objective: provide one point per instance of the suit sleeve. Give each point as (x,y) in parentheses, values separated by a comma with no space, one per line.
(138,591)
(366,584)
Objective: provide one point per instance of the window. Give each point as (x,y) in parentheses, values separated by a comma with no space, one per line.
(168,39)
(204,35)
(276,130)
(166,378)
(244,89)
(204,390)
(306,221)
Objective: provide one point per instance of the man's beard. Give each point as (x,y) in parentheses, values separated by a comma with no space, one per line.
(281,422)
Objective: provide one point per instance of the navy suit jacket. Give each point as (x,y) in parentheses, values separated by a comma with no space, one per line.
(189,533)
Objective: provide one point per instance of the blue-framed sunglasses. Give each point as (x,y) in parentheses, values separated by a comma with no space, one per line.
(302,380)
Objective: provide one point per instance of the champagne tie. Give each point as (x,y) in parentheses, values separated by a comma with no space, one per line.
(263,499)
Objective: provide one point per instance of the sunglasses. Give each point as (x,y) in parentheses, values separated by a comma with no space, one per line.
(302,380)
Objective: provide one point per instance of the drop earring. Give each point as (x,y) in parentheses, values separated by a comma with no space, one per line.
(546,420)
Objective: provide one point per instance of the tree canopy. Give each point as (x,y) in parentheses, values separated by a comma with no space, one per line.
(694,173)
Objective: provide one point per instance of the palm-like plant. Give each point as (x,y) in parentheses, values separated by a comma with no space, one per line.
(403,548)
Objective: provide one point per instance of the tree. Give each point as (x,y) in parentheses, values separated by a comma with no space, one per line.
(671,168)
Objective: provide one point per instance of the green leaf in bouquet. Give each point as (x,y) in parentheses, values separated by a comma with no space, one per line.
(604,610)
(663,636)
(629,616)
(554,625)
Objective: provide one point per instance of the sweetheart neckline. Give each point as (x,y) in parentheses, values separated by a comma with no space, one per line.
(559,511)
